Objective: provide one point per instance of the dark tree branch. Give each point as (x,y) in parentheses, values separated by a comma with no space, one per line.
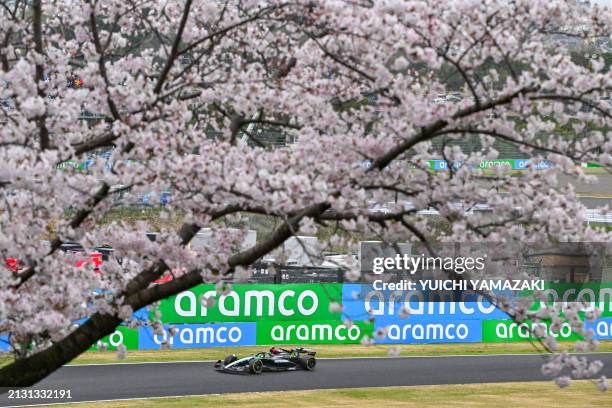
(102,63)
(43,132)
(506,138)
(29,370)
(431,130)
(174,52)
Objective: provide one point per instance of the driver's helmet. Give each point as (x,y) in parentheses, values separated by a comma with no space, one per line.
(275,350)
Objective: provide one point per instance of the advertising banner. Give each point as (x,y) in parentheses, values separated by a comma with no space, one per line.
(602,328)
(523,164)
(362,301)
(495,331)
(511,164)
(490,164)
(444,165)
(199,336)
(320,332)
(427,329)
(4,344)
(251,303)
(122,335)
(267,314)
(594,294)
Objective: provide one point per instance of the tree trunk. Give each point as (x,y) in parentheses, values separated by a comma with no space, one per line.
(30,370)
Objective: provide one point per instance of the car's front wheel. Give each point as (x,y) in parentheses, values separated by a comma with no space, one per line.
(256,366)
(229,359)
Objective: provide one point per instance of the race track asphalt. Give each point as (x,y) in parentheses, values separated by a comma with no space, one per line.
(121,381)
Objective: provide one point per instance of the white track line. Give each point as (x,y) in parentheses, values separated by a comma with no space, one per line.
(331,358)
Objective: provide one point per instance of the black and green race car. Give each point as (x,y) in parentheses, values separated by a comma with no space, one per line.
(277,359)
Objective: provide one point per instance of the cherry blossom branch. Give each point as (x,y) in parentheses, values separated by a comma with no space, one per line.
(262,12)
(29,370)
(40,72)
(507,138)
(76,221)
(431,130)
(572,98)
(102,63)
(174,51)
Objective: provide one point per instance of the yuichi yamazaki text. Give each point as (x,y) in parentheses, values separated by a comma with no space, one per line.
(468,284)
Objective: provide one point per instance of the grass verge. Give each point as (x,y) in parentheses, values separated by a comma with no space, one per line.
(323,351)
(522,394)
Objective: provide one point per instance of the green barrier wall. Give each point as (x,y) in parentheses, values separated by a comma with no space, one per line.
(301,314)
(252,303)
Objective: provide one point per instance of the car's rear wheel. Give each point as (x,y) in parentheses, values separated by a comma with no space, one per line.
(230,359)
(308,363)
(256,366)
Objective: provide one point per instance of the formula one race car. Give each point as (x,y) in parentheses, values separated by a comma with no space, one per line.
(277,359)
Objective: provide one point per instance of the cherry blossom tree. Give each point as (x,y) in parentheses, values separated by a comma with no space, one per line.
(178,89)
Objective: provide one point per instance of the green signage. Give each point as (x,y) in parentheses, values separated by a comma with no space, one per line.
(595,294)
(489,164)
(122,335)
(252,303)
(320,332)
(497,331)
(67,163)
